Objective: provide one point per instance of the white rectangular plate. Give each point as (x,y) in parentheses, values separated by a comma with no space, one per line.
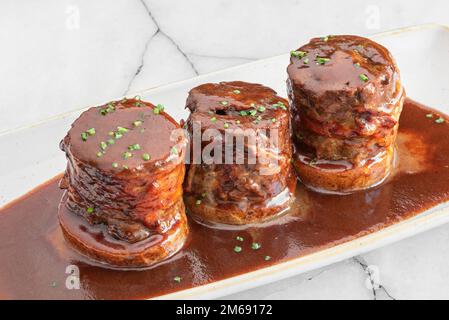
(421,53)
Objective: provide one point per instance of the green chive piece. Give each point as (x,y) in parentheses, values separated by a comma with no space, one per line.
(243,113)
(158,109)
(146,156)
(174,150)
(238,238)
(256,246)
(226,125)
(103,112)
(125,167)
(118,135)
(122,130)
(84,136)
(137,123)
(213,119)
(135,146)
(91,131)
(224,103)
(237,249)
(357,65)
(262,109)
(103,145)
(298,54)
(127,155)
(236,91)
(321,60)
(99,154)
(198,202)
(325,38)
(363,77)
(273,120)
(115,165)
(177,279)
(111,141)
(253,105)
(306,60)
(53,284)
(429,115)
(90,210)
(266,258)
(111,133)
(439,120)
(252,112)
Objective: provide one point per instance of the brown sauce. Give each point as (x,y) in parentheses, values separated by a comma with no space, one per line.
(34,256)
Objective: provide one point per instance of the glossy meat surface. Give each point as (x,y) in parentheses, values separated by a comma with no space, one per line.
(346,98)
(245,192)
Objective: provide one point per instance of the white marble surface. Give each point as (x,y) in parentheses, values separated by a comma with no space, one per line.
(60,55)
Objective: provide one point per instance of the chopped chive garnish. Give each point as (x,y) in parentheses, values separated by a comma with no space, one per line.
(125,167)
(53,284)
(135,146)
(177,279)
(91,131)
(262,109)
(237,249)
(321,60)
(224,103)
(198,202)
(174,150)
(298,54)
(99,154)
(137,123)
(325,38)
(306,60)
(256,246)
(226,125)
(118,135)
(111,133)
(127,155)
(103,145)
(90,210)
(236,91)
(115,165)
(252,112)
(439,120)
(146,156)
(213,119)
(238,238)
(357,65)
(158,109)
(111,141)
(429,115)
(363,77)
(103,112)
(266,258)
(122,130)
(273,120)
(253,105)
(84,136)
(243,113)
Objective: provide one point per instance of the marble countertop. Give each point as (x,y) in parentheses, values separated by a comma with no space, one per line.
(60,55)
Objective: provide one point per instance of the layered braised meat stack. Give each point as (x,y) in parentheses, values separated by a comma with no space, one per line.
(225,189)
(346,98)
(123,205)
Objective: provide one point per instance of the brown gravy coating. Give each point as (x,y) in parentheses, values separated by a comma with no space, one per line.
(34,256)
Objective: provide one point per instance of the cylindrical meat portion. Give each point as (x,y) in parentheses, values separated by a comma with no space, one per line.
(124,181)
(346,98)
(240,167)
